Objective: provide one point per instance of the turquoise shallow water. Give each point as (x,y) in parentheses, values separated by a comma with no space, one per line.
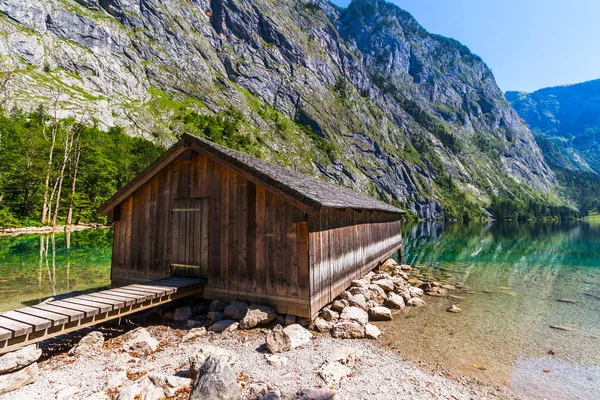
(514,281)
(35,267)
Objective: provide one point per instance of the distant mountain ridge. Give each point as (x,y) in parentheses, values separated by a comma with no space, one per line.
(568,120)
(362,96)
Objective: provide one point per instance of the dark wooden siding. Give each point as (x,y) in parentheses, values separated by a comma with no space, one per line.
(346,244)
(254,250)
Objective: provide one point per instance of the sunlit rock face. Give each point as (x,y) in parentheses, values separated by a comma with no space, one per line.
(401,111)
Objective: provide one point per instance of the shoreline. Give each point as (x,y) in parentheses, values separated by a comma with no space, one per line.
(49,229)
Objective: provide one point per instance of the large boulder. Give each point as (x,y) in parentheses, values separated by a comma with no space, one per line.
(215,381)
(380,314)
(277,341)
(358,300)
(395,301)
(389,265)
(371,331)
(359,290)
(339,305)
(385,283)
(217,306)
(348,330)
(18,359)
(377,293)
(321,325)
(415,292)
(298,335)
(141,340)
(17,379)
(355,314)
(197,359)
(329,315)
(257,315)
(182,314)
(89,344)
(236,310)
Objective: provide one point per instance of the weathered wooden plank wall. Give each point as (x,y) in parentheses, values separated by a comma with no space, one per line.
(346,244)
(253,248)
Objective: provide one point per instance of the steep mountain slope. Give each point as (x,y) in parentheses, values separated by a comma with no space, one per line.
(363,96)
(568,119)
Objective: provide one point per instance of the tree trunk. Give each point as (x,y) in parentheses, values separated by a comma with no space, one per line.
(61,175)
(47,202)
(74,182)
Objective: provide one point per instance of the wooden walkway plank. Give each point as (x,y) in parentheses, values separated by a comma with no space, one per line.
(5,334)
(74,315)
(37,323)
(138,293)
(17,328)
(57,319)
(156,289)
(78,300)
(139,298)
(87,310)
(127,301)
(115,304)
(118,302)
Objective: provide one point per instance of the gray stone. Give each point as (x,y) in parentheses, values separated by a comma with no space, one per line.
(276,360)
(317,394)
(192,323)
(197,359)
(371,331)
(358,300)
(298,335)
(257,315)
(321,325)
(18,359)
(217,306)
(226,325)
(454,309)
(386,284)
(377,293)
(17,379)
(346,356)
(354,314)
(395,301)
(169,384)
(359,290)
(339,305)
(380,314)
(142,341)
(332,373)
(215,316)
(277,341)
(236,310)
(416,302)
(289,320)
(348,330)
(182,314)
(215,381)
(89,344)
(194,334)
(329,315)
(361,283)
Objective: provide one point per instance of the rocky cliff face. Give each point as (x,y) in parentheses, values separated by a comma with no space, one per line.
(568,118)
(363,96)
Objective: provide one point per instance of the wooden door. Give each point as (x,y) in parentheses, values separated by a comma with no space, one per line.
(188,254)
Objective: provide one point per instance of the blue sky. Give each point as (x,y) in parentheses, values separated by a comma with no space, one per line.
(528,44)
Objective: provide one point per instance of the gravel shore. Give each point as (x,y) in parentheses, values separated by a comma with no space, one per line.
(380,373)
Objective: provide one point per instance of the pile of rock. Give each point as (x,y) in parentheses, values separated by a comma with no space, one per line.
(19,368)
(227,317)
(371,298)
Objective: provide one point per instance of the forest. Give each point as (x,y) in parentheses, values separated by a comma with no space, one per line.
(56,171)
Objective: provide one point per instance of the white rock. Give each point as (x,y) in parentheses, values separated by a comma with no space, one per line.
(346,356)
(141,340)
(199,357)
(385,284)
(380,314)
(17,379)
(277,340)
(18,359)
(298,335)
(216,381)
(321,325)
(358,300)
(454,309)
(415,292)
(116,379)
(89,344)
(67,393)
(257,315)
(169,384)
(395,301)
(377,293)
(182,314)
(276,360)
(353,291)
(194,334)
(363,283)
(371,331)
(333,372)
(416,302)
(348,330)
(329,315)
(226,325)
(354,314)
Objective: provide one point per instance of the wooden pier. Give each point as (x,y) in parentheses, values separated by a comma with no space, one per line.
(39,322)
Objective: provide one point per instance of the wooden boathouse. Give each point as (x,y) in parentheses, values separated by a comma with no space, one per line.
(251,230)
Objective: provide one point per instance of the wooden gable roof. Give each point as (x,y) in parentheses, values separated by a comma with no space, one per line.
(306,191)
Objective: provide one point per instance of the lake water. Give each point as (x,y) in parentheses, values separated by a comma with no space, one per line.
(510,278)
(515,281)
(35,267)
